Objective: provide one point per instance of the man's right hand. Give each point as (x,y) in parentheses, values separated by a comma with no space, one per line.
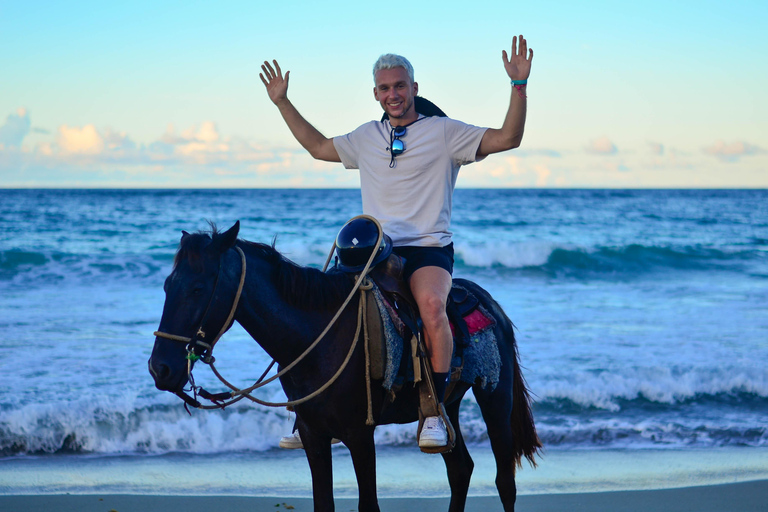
(318,145)
(276,84)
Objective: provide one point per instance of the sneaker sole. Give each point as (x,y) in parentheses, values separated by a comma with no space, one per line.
(436,449)
(300,446)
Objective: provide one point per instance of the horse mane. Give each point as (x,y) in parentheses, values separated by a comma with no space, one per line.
(302,287)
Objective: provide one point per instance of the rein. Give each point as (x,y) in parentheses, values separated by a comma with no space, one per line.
(222,400)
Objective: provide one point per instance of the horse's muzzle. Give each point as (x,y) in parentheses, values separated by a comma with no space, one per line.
(166,377)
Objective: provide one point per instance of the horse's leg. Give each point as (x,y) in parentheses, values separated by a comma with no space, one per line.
(496,407)
(363,452)
(458,463)
(318,451)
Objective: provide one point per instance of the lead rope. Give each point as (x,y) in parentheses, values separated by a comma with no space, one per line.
(364,309)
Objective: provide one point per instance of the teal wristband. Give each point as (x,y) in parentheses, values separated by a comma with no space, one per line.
(519,82)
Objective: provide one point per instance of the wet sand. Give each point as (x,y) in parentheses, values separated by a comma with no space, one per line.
(741,497)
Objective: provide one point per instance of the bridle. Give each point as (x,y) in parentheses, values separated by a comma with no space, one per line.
(197,341)
(222,400)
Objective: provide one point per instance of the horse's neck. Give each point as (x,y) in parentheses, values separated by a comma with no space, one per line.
(274,327)
(284,331)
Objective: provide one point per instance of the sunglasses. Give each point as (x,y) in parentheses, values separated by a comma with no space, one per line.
(396,146)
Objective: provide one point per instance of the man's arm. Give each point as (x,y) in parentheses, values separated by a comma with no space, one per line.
(318,145)
(510,135)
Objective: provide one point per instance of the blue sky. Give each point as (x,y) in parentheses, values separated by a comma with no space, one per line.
(167,94)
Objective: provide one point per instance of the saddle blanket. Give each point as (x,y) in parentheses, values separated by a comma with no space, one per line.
(481,363)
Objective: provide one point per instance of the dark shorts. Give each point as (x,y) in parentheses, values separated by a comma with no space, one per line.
(417,257)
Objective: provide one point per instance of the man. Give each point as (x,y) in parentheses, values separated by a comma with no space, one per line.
(408,167)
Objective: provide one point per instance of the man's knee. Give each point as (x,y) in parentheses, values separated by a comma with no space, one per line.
(432,310)
(430,287)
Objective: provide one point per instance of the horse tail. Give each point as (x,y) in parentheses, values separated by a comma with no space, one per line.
(525,439)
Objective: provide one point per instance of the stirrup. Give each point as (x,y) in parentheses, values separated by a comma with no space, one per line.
(450,445)
(429,406)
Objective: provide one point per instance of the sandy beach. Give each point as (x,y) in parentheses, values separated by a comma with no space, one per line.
(739,497)
(732,480)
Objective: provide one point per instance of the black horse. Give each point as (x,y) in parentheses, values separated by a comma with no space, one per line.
(284,307)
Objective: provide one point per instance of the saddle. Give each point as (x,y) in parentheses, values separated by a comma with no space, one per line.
(394,326)
(463,310)
(394,309)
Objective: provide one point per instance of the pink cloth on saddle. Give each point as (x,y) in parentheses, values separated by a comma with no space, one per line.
(476,322)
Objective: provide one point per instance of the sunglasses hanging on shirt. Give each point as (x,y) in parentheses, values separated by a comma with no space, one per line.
(396,146)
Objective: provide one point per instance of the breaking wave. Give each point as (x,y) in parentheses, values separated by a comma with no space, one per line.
(550,259)
(638,409)
(630,259)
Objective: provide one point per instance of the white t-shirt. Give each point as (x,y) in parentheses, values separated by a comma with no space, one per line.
(413,199)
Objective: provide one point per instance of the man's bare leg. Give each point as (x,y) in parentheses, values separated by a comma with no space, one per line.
(430,287)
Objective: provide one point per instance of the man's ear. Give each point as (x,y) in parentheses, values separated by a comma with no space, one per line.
(415,88)
(376,93)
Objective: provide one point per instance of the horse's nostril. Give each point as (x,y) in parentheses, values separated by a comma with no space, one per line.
(159,371)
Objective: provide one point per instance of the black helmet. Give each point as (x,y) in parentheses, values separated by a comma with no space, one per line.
(355,243)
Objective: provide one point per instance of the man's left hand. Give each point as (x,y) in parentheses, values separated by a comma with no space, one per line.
(518,66)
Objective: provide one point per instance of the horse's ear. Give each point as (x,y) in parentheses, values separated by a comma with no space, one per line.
(184,234)
(226,240)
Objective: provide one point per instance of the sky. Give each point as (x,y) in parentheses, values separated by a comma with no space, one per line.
(654,94)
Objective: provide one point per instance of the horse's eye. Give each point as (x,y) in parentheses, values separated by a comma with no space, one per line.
(197,290)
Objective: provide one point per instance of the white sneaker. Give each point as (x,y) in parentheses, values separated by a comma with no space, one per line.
(433,433)
(293,441)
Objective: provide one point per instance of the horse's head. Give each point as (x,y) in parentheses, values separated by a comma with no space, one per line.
(196,306)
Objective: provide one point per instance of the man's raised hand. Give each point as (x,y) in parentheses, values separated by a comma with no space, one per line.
(518,66)
(276,84)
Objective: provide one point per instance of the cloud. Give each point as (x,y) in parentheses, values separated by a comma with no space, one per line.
(615,167)
(542,174)
(733,151)
(197,155)
(197,145)
(81,141)
(201,155)
(656,148)
(538,152)
(509,171)
(204,133)
(203,145)
(602,146)
(14,130)
(117,141)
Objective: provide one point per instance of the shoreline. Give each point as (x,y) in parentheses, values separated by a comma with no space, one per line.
(401,473)
(742,496)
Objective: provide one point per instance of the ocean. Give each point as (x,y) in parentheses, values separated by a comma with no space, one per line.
(642,320)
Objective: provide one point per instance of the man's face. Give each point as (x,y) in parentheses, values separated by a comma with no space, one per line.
(395,91)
